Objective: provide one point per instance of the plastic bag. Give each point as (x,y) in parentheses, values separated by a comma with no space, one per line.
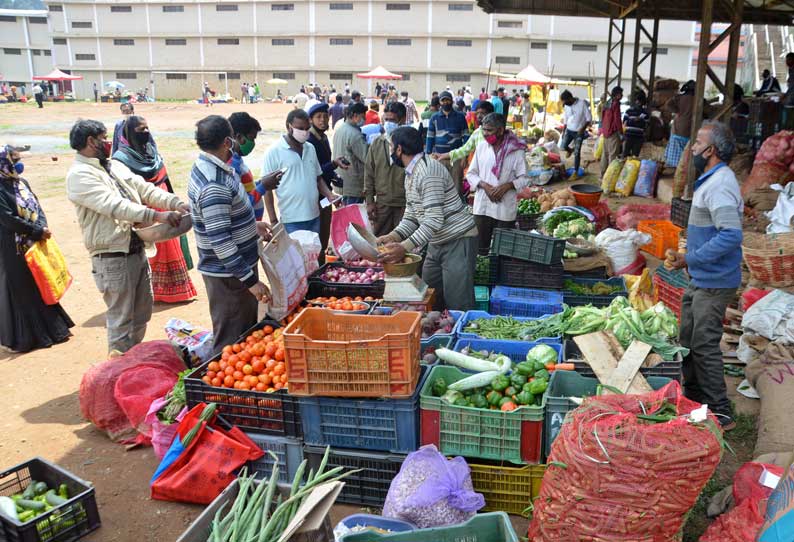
(780,217)
(48,267)
(611,176)
(621,246)
(431,490)
(282,259)
(162,434)
(750,296)
(640,289)
(340,220)
(637,266)
(627,178)
(537,158)
(311,247)
(197,341)
(769,316)
(599,150)
(646,179)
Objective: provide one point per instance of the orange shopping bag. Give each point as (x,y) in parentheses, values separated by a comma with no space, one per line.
(48,267)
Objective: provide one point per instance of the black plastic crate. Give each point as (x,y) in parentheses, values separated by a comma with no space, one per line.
(529,222)
(575,300)
(530,247)
(679,212)
(275,413)
(595,273)
(489,274)
(321,288)
(368,487)
(667,369)
(521,274)
(65,523)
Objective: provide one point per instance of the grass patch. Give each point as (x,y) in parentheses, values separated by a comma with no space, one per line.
(697,522)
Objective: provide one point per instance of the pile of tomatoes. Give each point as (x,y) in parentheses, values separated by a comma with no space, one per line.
(332,299)
(346,306)
(255,364)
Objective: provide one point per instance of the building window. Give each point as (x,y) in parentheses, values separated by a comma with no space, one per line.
(174,9)
(277,42)
(460,7)
(37,20)
(284,75)
(539,45)
(56,7)
(584,47)
(82,24)
(175,41)
(341,76)
(509,24)
(341,6)
(508,60)
(459,43)
(226,7)
(12,51)
(121,9)
(398,7)
(282,7)
(126,75)
(59,41)
(176,76)
(85,56)
(406,77)
(123,42)
(340,41)
(398,41)
(36,52)
(228,41)
(458,78)
(7,19)
(228,75)
(659,50)
(47,52)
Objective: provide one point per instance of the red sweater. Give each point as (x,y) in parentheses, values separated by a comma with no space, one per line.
(610,120)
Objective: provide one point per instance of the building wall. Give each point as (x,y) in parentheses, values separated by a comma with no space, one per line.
(25,45)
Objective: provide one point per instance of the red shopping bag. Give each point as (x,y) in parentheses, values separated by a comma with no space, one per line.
(340,220)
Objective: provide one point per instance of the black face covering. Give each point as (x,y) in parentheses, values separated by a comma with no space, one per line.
(700,162)
(397,161)
(447,107)
(141,138)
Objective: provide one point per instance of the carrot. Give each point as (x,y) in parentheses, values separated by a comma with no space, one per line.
(564,367)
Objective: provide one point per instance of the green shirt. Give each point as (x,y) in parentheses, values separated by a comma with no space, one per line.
(466,149)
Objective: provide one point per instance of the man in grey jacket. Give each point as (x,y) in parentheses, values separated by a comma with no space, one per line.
(109,200)
(349,143)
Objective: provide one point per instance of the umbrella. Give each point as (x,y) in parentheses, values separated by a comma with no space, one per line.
(528,76)
(114,84)
(57,75)
(379,73)
(276,81)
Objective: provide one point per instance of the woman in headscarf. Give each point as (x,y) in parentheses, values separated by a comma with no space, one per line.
(26,323)
(170,280)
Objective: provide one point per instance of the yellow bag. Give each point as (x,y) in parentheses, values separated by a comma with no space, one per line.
(628,178)
(599,150)
(611,176)
(48,267)
(640,288)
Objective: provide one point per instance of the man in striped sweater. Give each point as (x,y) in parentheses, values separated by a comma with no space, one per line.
(226,233)
(436,217)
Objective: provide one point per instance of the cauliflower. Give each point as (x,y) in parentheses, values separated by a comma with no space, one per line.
(579,227)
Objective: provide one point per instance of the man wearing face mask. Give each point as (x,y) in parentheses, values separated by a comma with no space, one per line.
(109,200)
(483,109)
(349,143)
(713,258)
(446,132)
(383,179)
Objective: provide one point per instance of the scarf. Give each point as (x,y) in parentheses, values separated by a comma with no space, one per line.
(145,161)
(510,143)
(27,205)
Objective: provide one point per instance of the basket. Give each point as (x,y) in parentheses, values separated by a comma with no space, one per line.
(321,288)
(510,301)
(486,275)
(586,195)
(507,488)
(481,298)
(770,258)
(350,355)
(513,272)
(671,296)
(515,350)
(666,369)
(65,523)
(201,528)
(679,212)
(513,436)
(575,300)
(487,527)
(476,315)
(565,384)
(389,425)
(366,488)
(529,222)
(530,247)
(664,235)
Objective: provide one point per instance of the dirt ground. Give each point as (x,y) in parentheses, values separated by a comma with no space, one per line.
(40,397)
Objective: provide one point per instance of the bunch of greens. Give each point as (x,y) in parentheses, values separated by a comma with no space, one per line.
(175,399)
(550,224)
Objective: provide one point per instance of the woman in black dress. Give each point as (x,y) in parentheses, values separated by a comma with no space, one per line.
(26,323)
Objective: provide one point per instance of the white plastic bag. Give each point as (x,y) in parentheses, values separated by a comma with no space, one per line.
(197,341)
(780,217)
(770,317)
(746,353)
(621,246)
(282,259)
(311,247)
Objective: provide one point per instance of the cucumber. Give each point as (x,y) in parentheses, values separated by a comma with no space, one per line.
(40,488)
(31,505)
(63,491)
(29,492)
(53,499)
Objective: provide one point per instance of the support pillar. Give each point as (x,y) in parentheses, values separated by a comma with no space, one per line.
(640,58)
(617,34)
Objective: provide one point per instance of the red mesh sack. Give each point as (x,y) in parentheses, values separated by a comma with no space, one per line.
(603,215)
(739,525)
(615,477)
(135,390)
(98,403)
(746,484)
(765,174)
(629,215)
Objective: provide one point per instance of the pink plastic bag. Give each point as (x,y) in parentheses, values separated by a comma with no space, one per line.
(162,434)
(340,220)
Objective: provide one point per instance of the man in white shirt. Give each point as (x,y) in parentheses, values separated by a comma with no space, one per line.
(300,99)
(577,118)
(38,93)
(468,98)
(497,173)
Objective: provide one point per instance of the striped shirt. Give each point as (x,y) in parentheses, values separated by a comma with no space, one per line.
(434,212)
(223,221)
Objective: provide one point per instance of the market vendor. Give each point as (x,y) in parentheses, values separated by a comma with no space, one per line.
(713,258)
(681,105)
(769,84)
(611,129)
(434,216)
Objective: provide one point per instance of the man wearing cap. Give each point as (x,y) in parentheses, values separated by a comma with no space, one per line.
(445,133)
(384,181)
(611,129)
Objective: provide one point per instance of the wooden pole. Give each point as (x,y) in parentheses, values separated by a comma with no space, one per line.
(700,84)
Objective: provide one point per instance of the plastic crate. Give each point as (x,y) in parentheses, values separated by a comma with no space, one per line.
(487,527)
(457,315)
(505,488)
(529,222)
(679,212)
(664,235)
(288,450)
(366,488)
(565,384)
(514,272)
(434,343)
(349,355)
(595,273)
(574,300)
(509,301)
(389,425)
(515,350)
(378,522)
(530,247)
(488,275)
(668,294)
(666,369)
(676,278)
(476,315)
(481,298)
(513,436)
(321,288)
(201,528)
(65,523)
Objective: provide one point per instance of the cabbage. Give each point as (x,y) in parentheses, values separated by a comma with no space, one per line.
(542,353)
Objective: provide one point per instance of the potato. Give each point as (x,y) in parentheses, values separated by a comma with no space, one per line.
(546,206)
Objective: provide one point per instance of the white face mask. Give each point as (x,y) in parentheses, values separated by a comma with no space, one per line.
(301,136)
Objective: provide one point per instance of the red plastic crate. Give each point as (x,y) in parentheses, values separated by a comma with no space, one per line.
(669,295)
(664,235)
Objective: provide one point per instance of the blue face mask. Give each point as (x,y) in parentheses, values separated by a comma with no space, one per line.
(19,167)
(389,126)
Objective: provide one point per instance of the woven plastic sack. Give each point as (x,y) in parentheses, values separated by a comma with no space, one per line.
(681,175)
(614,477)
(135,390)
(611,176)
(48,267)
(645,187)
(627,178)
(98,403)
(599,150)
(162,434)
(431,490)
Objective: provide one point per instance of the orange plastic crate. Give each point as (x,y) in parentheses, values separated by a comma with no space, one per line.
(669,295)
(664,235)
(349,355)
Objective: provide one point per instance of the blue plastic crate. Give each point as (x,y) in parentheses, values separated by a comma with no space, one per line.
(288,450)
(509,301)
(515,350)
(476,315)
(389,425)
(457,315)
(435,342)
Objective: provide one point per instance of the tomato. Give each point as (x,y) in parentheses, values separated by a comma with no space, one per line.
(214,366)
(229,370)
(508,406)
(228,381)
(238,375)
(233,359)
(247,369)
(227,349)
(270,350)
(279,369)
(259,334)
(211,374)
(206,379)
(239,365)
(265,378)
(278,386)
(267,330)
(222,366)
(258,349)
(236,348)
(258,366)
(245,356)
(216,381)
(279,355)
(260,387)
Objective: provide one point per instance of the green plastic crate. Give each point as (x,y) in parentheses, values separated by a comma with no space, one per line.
(530,247)
(507,488)
(488,527)
(474,432)
(482,298)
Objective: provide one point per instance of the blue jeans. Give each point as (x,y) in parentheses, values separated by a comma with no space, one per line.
(573,137)
(309,225)
(351,200)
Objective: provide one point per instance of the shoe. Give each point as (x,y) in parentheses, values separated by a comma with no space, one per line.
(727,423)
(573,177)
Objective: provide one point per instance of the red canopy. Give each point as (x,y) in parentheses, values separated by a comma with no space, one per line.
(379,73)
(528,76)
(57,75)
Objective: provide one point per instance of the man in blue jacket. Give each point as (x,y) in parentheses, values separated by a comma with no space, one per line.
(713,258)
